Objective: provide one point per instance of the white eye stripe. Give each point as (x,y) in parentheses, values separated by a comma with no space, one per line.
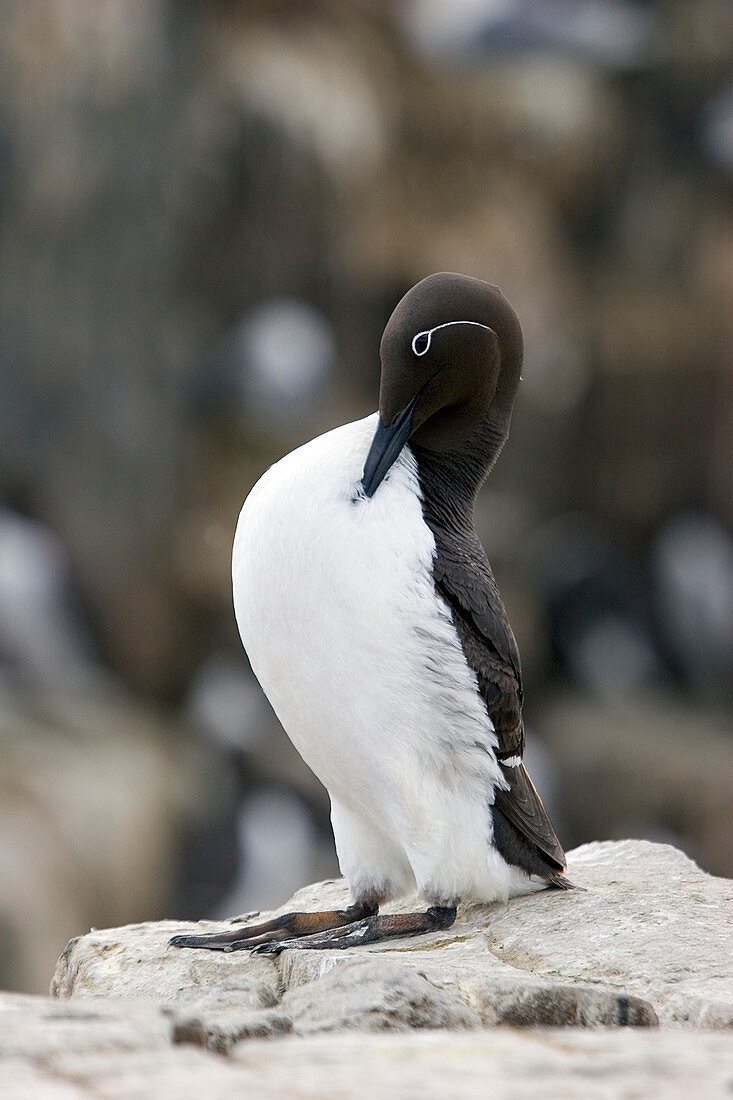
(428,334)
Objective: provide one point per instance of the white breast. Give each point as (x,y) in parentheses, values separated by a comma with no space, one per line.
(337,609)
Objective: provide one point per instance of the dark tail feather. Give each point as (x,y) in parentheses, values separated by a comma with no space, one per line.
(561,883)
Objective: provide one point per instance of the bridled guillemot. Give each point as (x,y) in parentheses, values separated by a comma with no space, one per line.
(373,622)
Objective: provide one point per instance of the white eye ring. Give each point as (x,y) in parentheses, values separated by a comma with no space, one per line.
(428,335)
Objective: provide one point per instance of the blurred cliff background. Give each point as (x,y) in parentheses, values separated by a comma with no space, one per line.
(207,212)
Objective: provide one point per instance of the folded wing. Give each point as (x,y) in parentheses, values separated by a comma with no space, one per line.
(523,832)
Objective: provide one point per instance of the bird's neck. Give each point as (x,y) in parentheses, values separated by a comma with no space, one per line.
(450,479)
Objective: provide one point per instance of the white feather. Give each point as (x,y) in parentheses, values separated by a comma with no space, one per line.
(337,609)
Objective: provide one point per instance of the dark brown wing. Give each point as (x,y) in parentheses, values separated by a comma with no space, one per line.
(463,578)
(520,817)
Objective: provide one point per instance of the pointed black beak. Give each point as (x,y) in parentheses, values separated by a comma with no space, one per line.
(387,443)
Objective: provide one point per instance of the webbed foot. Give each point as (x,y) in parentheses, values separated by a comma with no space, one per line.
(372,929)
(286,927)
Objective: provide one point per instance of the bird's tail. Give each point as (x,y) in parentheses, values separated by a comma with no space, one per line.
(561,883)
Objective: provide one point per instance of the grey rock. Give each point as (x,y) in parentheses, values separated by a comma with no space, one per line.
(135,961)
(649,923)
(220,1017)
(220,1029)
(542,1004)
(360,994)
(375,994)
(73,1028)
(646,940)
(106,1047)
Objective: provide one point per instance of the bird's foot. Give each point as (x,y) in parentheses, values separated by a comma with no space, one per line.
(286,928)
(371,929)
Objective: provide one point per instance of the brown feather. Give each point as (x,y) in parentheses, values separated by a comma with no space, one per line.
(523,807)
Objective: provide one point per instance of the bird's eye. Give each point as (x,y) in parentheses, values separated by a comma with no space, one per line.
(421,342)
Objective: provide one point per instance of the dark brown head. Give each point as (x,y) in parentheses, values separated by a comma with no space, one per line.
(451,359)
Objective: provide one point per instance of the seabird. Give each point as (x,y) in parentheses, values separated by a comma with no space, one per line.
(373,622)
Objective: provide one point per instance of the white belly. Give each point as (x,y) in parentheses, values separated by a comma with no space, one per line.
(337,610)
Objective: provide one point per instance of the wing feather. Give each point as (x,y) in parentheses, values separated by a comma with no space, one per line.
(523,829)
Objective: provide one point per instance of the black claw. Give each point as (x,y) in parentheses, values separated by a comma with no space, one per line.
(208,942)
(273,948)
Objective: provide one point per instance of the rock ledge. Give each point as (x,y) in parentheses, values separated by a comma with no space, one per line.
(646,942)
